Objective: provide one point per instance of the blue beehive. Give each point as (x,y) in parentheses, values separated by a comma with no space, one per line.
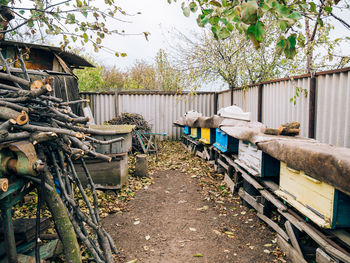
(226,143)
(187,130)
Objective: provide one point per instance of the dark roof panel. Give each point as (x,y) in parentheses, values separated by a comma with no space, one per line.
(72,60)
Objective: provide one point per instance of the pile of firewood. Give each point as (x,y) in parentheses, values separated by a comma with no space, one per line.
(29,112)
(288,129)
(140,125)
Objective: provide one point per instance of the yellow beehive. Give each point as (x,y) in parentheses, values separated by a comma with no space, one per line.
(319,201)
(206,135)
(195,133)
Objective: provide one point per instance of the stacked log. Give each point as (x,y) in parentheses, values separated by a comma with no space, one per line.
(29,111)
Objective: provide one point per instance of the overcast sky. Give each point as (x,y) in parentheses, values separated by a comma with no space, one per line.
(158,18)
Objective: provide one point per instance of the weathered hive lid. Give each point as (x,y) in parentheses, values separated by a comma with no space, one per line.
(121,129)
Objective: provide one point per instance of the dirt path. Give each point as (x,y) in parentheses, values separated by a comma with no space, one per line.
(174,220)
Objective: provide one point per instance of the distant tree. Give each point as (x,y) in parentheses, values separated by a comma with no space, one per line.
(168,78)
(141,75)
(205,58)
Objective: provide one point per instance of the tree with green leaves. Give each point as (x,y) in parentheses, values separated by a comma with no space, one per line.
(79,21)
(299,21)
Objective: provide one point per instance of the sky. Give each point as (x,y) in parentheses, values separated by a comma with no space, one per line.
(158,18)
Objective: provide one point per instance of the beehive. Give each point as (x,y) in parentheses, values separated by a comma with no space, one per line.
(196,133)
(318,201)
(187,130)
(225,143)
(261,163)
(208,135)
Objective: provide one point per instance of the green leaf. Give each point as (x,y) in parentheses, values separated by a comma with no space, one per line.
(291,41)
(186,11)
(229,26)
(214,20)
(86,37)
(193,7)
(198,255)
(98,41)
(312,7)
(123,55)
(215,3)
(256,33)
(30,23)
(295,16)
(224,33)
(79,3)
(21,12)
(328,9)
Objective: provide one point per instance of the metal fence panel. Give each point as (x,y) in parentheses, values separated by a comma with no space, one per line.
(247,99)
(277,107)
(162,110)
(333,109)
(224,99)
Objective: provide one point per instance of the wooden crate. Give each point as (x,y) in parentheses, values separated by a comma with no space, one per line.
(261,164)
(225,143)
(196,133)
(318,201)
(208,135)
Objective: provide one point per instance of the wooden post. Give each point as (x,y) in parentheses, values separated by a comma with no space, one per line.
(312,106)
(216,97)
(116,103)
(141,167)
(260,98)
(232,88)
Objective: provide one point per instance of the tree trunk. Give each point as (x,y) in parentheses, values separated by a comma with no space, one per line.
(309,50)
(63,225)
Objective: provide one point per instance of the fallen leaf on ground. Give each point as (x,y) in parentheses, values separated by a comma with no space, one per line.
(147,237)
(132,261)
(136,222)
(193,229)
(203,208)
(266,251)
(198,255)
(217,232)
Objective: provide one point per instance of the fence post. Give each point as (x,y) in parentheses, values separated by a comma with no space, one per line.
(116,95)
(232,88)
(260,99)
(216,97)
(312,106)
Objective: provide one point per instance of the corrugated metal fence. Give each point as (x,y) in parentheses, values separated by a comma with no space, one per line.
(160,109)
(320,102)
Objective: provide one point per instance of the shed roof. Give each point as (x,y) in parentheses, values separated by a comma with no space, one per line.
(71,59)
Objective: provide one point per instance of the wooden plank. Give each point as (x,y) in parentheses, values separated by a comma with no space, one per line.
(224,165)
(248,178)
(293,238)
(251,200)
(336,253)
(229,183)
(291,253)
(228,159)
(274,226)
(273,200)
(323,257)
(206,153)
(341,234)
(271,185)
(245,167)
(291,219)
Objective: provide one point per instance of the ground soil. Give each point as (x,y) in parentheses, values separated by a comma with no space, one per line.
(174,221)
